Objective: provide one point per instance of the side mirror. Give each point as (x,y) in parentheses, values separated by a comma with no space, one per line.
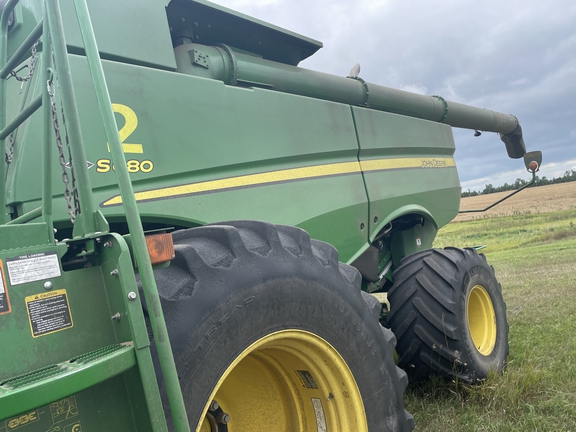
(533,160)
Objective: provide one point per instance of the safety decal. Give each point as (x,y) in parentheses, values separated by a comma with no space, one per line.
(33,267)
(65,411)
(307,379)
(48,312)
(4,298)
(320,417)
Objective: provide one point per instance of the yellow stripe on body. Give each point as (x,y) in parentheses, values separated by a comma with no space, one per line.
(399,163)
(287,175)
(244,181)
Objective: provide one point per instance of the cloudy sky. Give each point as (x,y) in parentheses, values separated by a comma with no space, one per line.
(513,56)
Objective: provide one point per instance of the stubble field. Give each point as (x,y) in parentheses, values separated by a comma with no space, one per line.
(531,242)
(542,199)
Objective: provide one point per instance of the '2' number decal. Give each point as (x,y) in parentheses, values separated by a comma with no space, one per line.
(130,124)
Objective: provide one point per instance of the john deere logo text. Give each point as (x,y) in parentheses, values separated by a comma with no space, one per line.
(434,163)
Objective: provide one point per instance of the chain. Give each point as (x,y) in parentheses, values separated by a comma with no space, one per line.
(68,147)
(32,65)
(68,194)
(71,195)
(10,154)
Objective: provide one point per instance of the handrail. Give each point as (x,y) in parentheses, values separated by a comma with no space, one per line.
(26,217)
(48,133)
(55,55)
(140,249)
(86,222)
(8,8)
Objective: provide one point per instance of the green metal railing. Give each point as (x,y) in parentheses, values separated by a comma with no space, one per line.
(134,223)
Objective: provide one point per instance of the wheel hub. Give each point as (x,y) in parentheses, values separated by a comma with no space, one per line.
(481,320)
(288,380)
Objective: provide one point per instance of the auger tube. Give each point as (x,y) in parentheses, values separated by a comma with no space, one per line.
(233,67)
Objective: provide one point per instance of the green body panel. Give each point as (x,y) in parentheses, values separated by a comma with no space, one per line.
(435,190)
(18,236)
(144,47)
(233,132)
(193,130)
(113,21)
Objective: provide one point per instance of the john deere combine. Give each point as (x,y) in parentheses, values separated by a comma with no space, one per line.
(131,131)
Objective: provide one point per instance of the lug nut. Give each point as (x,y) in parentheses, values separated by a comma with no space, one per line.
(214,406)
(223,418)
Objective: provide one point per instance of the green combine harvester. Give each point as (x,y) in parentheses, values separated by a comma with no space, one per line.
(166,166)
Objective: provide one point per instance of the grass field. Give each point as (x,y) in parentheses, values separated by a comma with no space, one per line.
(533,250)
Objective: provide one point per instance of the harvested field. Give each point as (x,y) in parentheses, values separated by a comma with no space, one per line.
(541,199)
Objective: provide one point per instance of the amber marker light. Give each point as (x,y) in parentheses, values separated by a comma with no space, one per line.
(533,166)
(160,247)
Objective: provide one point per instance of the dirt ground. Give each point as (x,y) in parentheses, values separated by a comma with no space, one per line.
(541,199)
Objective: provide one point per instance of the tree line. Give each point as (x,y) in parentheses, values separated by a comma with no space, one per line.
(568,176)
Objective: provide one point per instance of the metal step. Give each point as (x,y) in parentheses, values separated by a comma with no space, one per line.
(28,391)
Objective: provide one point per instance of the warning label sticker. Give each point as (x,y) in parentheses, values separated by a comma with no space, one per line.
(307,379)
(4,299)
(64,409)
(320,417)
(49,312)
(33,267)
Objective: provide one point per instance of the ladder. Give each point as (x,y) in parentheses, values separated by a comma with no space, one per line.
(75,352)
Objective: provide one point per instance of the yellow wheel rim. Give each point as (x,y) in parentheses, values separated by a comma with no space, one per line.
(290,380)
(481,320)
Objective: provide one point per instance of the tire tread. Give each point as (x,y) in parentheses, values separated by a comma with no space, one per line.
(210,255)
(425,312)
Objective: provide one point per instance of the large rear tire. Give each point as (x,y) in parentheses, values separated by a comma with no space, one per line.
(269,325)
(448,315)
